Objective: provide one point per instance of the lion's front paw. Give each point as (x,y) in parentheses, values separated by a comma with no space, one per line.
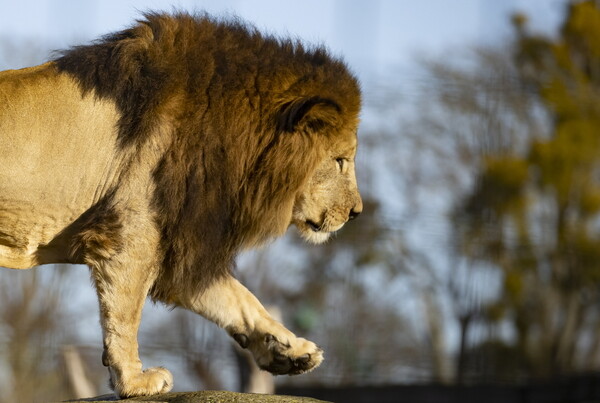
(146,383)
(293,357)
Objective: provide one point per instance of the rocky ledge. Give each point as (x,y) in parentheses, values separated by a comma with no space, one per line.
(206,396)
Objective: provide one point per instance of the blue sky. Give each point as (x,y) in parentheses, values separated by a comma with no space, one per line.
(374,36)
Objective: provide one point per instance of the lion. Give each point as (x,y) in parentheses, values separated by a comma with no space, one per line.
(157,154)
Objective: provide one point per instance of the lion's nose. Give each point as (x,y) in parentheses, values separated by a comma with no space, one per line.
(357,209)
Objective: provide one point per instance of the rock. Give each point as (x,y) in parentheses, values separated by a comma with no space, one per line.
(206,396)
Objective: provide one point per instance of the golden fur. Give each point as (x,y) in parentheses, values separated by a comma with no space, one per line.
(158,153)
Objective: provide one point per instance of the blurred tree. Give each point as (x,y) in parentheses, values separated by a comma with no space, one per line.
(533,209)
(33,327)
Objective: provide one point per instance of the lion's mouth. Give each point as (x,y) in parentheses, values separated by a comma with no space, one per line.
(322,228)
(316,231)
(314,226)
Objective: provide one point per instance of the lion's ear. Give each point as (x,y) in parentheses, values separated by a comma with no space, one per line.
(308,113)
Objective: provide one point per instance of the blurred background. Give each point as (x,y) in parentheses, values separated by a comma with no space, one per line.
(475,268)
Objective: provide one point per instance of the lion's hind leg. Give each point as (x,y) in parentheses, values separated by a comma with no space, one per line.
(276,349)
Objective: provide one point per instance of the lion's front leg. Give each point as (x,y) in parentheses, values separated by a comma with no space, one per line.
(117,243)
(122,293)
(123,273)
(276,349)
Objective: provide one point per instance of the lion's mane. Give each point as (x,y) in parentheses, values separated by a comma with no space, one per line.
(245,117)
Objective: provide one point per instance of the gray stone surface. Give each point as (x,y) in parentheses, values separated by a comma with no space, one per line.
(206,396)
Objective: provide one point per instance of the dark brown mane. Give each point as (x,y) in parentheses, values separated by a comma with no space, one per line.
(250,117)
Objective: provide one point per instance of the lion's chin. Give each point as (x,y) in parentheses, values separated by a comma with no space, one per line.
(315,237)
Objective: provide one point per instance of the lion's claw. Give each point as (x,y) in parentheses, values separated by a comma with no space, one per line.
(149,382)
(294,357)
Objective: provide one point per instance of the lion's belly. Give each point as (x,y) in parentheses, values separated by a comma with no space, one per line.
(23,228)
(57,153)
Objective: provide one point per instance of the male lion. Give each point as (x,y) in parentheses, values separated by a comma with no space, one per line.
(156,154)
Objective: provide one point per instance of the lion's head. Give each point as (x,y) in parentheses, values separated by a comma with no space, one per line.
(331,197)
(326,127)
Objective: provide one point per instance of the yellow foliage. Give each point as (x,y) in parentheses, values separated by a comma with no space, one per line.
(583,26)
(590,201)
(507,172)
(503,183)
(513,284)
(567,161)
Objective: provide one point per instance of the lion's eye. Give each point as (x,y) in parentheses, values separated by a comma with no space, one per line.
(340,162)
